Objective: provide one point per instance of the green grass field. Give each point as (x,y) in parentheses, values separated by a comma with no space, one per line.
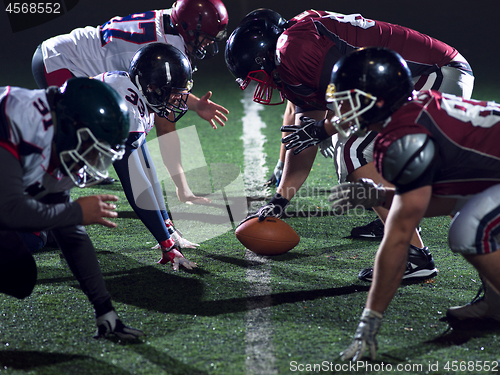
(239,313)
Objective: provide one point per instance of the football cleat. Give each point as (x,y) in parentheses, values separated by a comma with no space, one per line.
(420,266)
(109,324)
(375,229)
(485,307)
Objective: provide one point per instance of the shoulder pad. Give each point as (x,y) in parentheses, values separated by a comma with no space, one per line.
(408,158)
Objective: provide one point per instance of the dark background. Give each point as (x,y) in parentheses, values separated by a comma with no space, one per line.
(472,28)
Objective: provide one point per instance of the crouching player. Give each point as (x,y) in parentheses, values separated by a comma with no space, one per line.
(440,152)
(50,141)
(157,84)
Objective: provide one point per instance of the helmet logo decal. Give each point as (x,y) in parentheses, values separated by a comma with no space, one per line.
(330,90)
(167,72)
(259,61)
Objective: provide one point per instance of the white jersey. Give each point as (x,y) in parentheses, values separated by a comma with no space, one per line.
(141,120)
(28,134)
(89,51)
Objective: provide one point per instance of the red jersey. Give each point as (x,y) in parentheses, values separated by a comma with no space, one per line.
(466,134)
(307,51)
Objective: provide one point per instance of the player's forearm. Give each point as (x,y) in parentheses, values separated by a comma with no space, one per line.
(192,102)
(297,168)
(389,267)
(19,211)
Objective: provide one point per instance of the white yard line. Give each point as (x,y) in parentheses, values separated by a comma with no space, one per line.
(260,359)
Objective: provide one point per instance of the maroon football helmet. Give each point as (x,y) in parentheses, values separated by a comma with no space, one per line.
(202,23)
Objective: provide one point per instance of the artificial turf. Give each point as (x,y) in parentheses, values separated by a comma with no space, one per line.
(238,313)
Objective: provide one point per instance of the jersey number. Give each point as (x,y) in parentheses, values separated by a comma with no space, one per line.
(40,106)
(135,100)
(478,113)
(128,29)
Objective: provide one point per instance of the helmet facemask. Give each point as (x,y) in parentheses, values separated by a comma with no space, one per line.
(87,164)
(349,122)
(204,46)
(202,24)
(264,90)
(177,104)
(165,100)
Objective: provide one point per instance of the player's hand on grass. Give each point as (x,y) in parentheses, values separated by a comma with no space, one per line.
(181,242)
(96,207)
(186,196)
(364,193)
(275,208)
(110,324)
(174,256)
(309,133)
(364,338)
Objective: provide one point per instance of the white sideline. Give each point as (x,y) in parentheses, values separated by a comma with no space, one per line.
(260,359)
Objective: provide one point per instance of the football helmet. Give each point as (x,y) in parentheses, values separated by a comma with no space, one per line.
(163,75)
(92,125)
(250,51)
(362,78)
(202,24)
(265,14)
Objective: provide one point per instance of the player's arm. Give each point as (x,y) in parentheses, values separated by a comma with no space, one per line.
(19,211)
(295,172)
(297,167)
(170,148)
(405,215)
(390,262)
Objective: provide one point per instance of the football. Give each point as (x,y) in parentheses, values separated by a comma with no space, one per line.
(271,236)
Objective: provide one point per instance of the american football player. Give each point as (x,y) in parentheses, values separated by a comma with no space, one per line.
(50,141)
(294,61)
(158,82)
(193,26)
(439,151)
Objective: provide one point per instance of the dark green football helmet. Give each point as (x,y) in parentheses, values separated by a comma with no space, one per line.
(91,126)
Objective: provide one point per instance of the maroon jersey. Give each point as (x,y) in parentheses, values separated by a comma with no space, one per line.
(466,134)
(307,51)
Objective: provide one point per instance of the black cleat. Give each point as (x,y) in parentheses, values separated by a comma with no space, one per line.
(375,229)
(420,266)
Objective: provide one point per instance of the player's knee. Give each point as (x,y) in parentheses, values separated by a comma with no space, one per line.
(475,228)
(18,271)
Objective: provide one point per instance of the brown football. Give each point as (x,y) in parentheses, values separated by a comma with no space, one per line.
(271,236)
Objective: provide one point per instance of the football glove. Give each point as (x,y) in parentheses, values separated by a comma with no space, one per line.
(275,208)
(173,255)
(364,337)
(364,193)
(109,324)
(309,133)
(176,235)
(326,148)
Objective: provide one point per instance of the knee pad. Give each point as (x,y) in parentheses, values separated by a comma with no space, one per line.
(18,271)
(475,229)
